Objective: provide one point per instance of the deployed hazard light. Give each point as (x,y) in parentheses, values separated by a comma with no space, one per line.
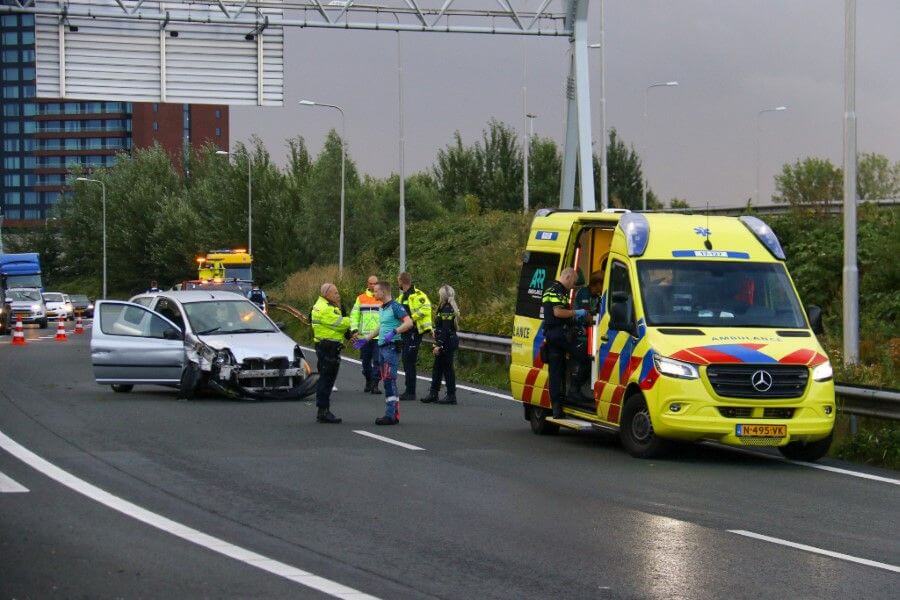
(637,232)
(764,234)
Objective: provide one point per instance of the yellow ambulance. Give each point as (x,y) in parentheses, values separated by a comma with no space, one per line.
(699,334)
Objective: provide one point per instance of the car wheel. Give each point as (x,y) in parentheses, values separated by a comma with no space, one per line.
(122,388)
(806,451)
(539,424)
(636,430)
(190,381)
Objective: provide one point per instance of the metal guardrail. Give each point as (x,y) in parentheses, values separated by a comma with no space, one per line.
(852,399)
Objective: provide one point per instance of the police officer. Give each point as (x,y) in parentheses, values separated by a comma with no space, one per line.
(153,287)
(418,307)
(588,298)
(258,297)
(363,321)
(558,318)
(330,329)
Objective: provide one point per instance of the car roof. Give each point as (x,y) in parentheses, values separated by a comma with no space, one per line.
(201,296)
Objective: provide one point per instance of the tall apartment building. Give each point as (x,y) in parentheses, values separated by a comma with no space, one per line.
(44,138)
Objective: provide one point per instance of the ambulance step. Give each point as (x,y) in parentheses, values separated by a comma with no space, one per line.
(572,423)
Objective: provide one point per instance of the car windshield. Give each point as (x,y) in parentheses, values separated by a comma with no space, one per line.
(718,294)
(25,281)
(24,295)
(226,316)
(53,297)
(79,298)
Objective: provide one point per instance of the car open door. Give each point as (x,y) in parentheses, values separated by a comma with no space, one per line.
(131,344)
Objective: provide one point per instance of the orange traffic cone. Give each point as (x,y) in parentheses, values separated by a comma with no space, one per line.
(79,325)
(19,333)
(61,330)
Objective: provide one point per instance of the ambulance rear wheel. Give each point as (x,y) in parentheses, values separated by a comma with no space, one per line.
(122,388)
(539,424)
(806,451)
(636,430)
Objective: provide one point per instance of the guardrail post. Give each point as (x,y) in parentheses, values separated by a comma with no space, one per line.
(854,425)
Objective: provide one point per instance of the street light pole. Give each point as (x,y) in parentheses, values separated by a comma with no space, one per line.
(249,199)
(758,117)
(851,271)
(103,203)
(604,171)
(645,136)
(343,172)
(529,134)
(402,148)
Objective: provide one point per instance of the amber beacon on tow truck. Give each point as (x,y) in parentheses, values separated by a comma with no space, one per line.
(700,334)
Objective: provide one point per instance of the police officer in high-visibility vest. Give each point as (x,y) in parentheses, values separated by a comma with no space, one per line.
(418,306)
(558,318)
(330,329)
(363,321)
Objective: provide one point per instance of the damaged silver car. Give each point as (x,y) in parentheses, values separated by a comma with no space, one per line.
(194,340)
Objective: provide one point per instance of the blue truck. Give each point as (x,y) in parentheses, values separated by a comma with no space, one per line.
(17,271)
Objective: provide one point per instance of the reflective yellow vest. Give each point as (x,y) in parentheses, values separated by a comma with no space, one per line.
(418,306)
(327,321)
(364,316)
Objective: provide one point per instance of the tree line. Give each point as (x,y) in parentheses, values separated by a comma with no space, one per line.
(159,220)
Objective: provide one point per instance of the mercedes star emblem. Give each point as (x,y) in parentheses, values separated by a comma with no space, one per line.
(762,381)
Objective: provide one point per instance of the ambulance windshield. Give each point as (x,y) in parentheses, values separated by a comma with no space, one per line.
(718,294)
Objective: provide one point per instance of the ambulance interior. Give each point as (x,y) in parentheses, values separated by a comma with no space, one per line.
(591,249)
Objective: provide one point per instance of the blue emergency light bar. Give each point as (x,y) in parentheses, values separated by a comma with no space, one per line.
(637,232)
(764,234)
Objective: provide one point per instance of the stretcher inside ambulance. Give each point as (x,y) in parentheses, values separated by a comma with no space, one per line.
(699,334)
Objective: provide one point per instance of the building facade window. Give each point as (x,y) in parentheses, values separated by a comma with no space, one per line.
(10,91)
(10,110)
(155,126)
(12,197)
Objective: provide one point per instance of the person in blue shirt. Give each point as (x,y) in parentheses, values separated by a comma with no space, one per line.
(393,321)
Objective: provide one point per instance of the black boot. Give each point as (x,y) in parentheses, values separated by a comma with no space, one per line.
(368,387)
(558,412)
(431,397)
(375,389)
(405,397)
(386,421)
(324,416)
(448,399)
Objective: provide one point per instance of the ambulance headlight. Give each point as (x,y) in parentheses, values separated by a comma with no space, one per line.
(675,368)
(823,372)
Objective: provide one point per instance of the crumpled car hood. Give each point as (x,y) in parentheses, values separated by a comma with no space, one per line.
(253,345)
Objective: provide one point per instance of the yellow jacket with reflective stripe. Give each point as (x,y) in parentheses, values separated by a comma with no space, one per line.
(419,307)
(327,321)
(364,316)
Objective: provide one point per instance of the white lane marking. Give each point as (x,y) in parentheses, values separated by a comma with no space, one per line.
(844,471)
(310,580)
(468,388)
(813,549)
(387,440)
(799,463)
(8,485)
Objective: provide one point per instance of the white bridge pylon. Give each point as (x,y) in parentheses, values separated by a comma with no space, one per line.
(226,25)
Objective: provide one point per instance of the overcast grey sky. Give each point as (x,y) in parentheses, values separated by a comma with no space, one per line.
(731,57)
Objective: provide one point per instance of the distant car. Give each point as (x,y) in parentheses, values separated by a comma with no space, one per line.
(58,306)
(82,305)
(28,304)
(193,340)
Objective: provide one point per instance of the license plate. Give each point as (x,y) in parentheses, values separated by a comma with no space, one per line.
(754,430)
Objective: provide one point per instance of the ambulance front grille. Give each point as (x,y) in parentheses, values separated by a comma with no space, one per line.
(736,381)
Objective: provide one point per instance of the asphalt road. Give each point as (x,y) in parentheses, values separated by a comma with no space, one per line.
(485,510)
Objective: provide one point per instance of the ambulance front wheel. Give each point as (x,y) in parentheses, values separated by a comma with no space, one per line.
(806,451)
(539,425)
(636,430)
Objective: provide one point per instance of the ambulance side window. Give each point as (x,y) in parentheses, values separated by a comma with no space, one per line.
(620,287)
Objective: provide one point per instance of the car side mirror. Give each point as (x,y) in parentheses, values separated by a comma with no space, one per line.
(814,314)
(172,334)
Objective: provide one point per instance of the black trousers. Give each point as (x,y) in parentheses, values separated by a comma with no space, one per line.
(560,354)
(443,369)
(409,356)
(328,362)
(371,361)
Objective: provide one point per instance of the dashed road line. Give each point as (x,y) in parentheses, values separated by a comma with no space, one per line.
(219,546)
(799,463)
(814,550)
(8,485)
(387,440)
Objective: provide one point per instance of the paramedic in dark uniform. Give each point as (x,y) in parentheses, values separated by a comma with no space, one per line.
(588,298)
(558,319)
